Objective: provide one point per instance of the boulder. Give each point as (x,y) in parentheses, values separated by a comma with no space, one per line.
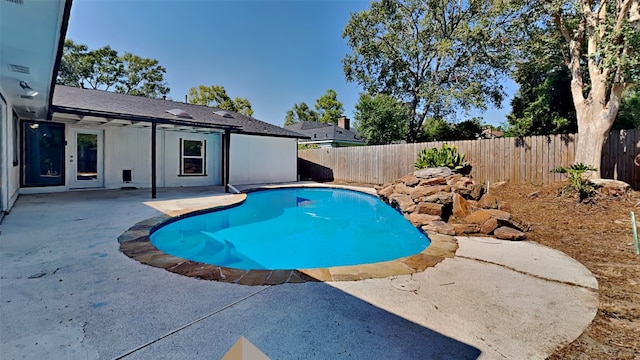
(488,201)
(460,207)
(499,214)
(611,187)
(441,197)
(477,217)
(453,179)
(410,180)
(433,181)
(476,191)
(422,219)
(507,233)
(401,188)
(422,191)
(489,226)
(432,172)
(385,192)
(462,229)
(439,227)
(400,201)
(429,208)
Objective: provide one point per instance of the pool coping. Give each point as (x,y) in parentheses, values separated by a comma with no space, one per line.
(136,244)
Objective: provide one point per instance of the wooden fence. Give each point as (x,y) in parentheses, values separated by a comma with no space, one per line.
(515,160)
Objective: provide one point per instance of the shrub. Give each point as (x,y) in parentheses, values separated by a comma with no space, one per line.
(447,156)
(578,182)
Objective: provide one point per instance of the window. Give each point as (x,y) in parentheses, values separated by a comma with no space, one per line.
(193,157)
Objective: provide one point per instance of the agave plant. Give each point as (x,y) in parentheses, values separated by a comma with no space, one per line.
(447,156)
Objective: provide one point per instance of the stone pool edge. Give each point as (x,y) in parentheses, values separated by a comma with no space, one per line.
(136,244)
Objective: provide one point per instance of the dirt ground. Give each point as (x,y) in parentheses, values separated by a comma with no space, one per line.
(599,236)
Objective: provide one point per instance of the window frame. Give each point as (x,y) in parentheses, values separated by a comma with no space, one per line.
(183,156)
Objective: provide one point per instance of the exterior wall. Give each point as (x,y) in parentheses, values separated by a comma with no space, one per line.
(262,159)
(128,148)
(171,161)
(9,172)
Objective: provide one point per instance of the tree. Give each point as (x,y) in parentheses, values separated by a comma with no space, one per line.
(141,77)
(604,35)
(543,103)
(435,56)
(104,69)
(629,113)
(380,119)
(300,112)
(329,108)
(440,129)
(216,95)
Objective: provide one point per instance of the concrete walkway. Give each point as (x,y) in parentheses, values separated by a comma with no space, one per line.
(66,292)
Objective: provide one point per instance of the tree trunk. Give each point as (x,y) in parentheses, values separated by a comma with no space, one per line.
(593,129)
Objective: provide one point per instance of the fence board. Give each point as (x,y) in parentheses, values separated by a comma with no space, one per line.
(516,160)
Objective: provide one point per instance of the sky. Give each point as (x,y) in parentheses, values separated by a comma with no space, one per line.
(274,53)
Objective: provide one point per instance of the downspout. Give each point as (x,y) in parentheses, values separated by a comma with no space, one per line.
(226,162)
(153,161)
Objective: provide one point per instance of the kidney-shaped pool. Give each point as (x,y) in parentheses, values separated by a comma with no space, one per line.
(293,228)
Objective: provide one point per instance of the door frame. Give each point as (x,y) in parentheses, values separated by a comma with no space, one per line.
(72,168)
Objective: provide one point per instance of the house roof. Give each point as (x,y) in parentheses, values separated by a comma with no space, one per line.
(111,105)
(318,131)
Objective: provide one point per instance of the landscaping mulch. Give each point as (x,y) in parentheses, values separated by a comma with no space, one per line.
(598,234)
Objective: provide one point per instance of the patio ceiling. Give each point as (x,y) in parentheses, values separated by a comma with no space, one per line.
(30,34)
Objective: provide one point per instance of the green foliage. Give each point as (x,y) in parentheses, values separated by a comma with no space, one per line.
(104,69)
(440,129)
(447,156)
(308,146)
(300,112)
(578,181)
(142,77)
(380,119)
(629,112)
(329,108)
(435,56)
(216,95)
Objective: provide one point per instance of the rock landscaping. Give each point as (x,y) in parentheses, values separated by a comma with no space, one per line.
(438,201)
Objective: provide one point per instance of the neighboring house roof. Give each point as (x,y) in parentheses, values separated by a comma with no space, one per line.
(89,102)
(489,133)
(318,131)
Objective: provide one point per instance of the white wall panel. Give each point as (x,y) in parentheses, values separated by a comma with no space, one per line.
(262,159)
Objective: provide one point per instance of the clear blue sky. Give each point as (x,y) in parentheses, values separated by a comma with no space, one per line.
(274,53)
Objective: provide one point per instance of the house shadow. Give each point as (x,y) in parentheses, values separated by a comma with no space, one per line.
(309,170)
(312,321)
(318,321)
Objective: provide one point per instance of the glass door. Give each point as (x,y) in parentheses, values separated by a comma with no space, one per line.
(43,154)
(85,159)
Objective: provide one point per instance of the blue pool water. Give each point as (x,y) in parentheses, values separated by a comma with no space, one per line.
(294,228)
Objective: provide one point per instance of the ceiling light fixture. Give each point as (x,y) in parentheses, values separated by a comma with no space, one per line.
(29,92)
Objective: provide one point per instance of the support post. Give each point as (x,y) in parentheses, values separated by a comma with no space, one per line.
(225,161)
(153,161)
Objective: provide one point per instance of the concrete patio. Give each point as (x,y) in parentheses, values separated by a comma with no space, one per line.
(67,292)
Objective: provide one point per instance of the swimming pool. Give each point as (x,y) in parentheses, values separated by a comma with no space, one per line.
(294,228)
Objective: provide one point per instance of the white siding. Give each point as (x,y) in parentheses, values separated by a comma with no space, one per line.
(10,172)
(262,159)
(128,148)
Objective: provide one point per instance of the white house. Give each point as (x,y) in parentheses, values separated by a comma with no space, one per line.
(60,138)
